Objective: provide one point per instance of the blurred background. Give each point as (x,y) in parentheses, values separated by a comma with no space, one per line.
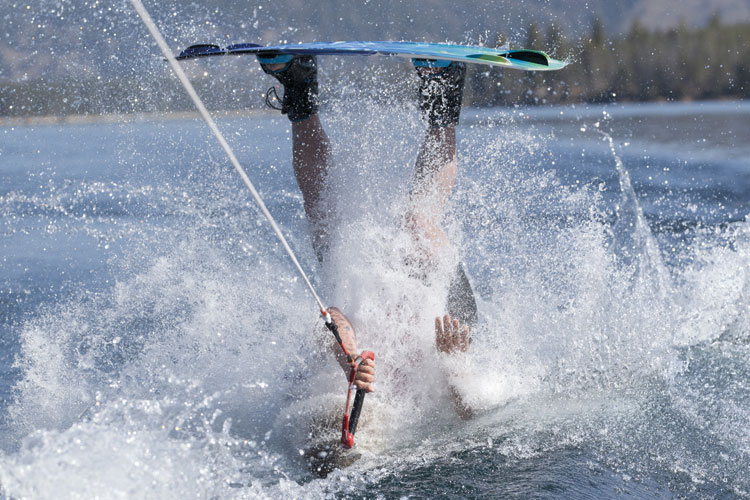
(77,57)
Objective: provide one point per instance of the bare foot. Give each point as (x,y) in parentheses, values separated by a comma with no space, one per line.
(275,67)
(450,336)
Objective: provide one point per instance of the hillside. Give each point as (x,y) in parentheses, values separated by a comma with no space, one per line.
(77,57)
(65,39)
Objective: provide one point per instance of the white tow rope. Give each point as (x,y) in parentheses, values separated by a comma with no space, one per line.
(138,5)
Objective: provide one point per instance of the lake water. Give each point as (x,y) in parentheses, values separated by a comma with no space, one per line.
(156,343)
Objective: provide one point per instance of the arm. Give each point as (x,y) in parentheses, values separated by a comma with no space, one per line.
(366,374)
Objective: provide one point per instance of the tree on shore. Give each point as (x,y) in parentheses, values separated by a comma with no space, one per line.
(677,64)
(681,63)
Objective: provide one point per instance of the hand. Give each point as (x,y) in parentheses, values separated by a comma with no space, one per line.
(450,337)
(365,376)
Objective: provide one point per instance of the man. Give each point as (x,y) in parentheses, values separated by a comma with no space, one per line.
(440,93)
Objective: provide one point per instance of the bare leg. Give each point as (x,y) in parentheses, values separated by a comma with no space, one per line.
(311,157)
(434,176)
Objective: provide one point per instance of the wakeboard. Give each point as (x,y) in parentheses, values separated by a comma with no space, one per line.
(523,59)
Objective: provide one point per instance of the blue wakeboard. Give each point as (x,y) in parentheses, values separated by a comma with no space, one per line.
(529,60)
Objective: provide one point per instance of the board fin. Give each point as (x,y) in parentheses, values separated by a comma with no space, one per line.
(531,56)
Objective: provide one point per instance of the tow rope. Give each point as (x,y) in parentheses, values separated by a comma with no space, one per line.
(350,421)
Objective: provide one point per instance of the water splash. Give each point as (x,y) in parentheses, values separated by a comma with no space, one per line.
(633,238)
(203,350)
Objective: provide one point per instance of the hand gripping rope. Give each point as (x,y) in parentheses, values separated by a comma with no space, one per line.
(350,422)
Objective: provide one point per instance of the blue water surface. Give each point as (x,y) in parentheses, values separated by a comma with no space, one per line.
(155,342)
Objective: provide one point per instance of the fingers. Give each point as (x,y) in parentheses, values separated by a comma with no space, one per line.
(465,339)
(450,336)
(367,367)
(440,341)
(365,377)
(456,334)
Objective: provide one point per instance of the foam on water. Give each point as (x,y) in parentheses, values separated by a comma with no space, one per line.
(202,370)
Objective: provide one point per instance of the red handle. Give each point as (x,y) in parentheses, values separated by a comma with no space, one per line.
(349,425)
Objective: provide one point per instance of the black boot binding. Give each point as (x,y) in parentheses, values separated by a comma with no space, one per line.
(440,93)
(300,80)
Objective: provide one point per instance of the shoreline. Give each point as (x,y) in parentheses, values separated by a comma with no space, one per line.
(537,110)
(18,121)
